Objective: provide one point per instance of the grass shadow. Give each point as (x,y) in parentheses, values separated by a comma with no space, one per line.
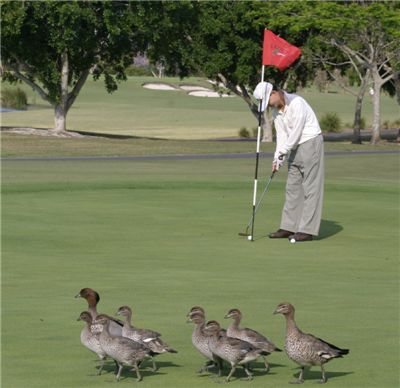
(316,375)
(329,228)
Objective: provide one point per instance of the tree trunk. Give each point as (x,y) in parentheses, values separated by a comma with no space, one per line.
(60,119)
(266,128)
(376,127)
(376,106)
(358,111)
(61,109)
(357,121)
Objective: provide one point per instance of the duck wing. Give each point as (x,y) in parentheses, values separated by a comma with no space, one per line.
(238,343)
(259,340)
(325,349)
(147,335)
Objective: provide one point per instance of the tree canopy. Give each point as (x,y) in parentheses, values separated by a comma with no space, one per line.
(53,46)
(364,37)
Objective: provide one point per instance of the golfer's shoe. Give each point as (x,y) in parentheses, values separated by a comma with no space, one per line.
(281,233)
(301,237)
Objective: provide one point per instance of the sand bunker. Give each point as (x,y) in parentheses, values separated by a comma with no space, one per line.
(193,90)
(159,86)
(202,93)
(194,87)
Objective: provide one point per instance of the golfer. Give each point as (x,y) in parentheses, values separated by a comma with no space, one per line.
(299,140)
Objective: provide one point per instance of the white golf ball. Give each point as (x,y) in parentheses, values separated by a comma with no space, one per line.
(292,240)
(249,238)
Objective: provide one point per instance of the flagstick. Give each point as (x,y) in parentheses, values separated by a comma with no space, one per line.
(257,160)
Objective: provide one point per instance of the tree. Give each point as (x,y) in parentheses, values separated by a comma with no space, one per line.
(367,34)
(164,28)
(221,40)
(53,47)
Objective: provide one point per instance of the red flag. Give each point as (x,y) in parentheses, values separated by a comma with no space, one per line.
(277,52)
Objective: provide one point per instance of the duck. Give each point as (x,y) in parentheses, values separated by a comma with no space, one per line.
(93,298)
(91,341)
(149,338)
(306,349)
(123,350)
(199,309)
(233,350)
(249,335)
(200,340)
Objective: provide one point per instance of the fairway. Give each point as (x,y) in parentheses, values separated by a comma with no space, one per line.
(135,111)
(162,236)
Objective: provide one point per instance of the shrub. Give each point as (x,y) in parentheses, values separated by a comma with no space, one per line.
(14,98)
(330,122)
(244,133)
(138,71)
(363,123)
(396,123)
(386,124)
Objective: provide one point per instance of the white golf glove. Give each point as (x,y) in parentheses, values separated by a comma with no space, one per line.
(279,161)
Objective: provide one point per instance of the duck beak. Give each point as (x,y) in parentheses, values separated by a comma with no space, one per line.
(275,312)
(78,295)
(226,316)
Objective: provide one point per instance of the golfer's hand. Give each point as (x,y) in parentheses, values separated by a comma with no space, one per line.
(277,163)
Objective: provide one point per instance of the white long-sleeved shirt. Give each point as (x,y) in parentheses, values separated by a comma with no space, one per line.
(294,125)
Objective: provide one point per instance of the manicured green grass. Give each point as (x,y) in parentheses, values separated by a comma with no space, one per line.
(14,145)
(162,236)
(135,111)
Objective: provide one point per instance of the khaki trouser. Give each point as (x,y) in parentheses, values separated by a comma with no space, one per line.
(305,188)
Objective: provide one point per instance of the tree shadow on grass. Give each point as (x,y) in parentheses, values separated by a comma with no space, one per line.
(328,228)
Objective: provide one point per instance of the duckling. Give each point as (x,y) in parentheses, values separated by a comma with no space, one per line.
(200,310)
(233,350)
(93,298)
(148,338)
(249,335)
(90,340)
(122,350)
(200,341)
(305,349)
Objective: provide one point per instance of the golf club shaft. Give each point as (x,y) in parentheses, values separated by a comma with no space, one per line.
(261,198)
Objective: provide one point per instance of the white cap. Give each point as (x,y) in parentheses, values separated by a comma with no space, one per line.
(262,92)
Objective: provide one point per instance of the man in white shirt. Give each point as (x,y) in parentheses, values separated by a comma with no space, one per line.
(298,139)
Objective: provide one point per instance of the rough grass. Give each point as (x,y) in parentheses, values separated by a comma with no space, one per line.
(162,237)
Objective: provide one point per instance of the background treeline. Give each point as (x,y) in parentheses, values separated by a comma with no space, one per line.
(55,46)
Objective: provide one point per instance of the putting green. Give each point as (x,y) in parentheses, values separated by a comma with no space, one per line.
(162,236)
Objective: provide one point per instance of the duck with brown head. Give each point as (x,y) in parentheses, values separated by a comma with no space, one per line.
(93,298)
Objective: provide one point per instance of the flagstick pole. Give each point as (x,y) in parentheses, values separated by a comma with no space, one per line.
(257,160)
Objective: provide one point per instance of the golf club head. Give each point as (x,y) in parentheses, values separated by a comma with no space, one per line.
(244,234)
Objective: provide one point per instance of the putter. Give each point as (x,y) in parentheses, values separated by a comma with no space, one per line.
(246,233)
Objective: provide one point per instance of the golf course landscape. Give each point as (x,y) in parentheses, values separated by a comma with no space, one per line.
(152,222)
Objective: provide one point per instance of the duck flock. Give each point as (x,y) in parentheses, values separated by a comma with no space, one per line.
(126,344)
